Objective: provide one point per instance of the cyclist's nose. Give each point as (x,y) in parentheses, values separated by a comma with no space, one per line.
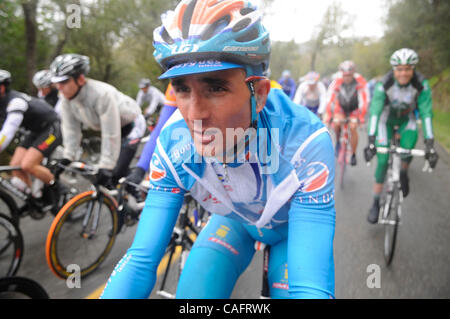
(199,107)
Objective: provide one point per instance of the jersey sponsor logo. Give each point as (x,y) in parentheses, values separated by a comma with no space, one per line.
(157,169)
(224,244)
(317,174)
(44,145)
(279,285)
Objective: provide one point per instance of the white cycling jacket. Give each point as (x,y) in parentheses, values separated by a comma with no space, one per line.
(100,107)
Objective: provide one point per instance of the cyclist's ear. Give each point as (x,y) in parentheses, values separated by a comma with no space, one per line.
(262,89)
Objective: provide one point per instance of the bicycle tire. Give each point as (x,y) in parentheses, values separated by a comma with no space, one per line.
(11,287)
(8,207)
(342,161)
(10,236)
(66,231)
(391,227)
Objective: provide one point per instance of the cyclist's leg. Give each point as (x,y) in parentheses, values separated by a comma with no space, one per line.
(127,151)
(337,118)
(278,271)
(383,140)
(43,146)
(16,159)
(408,137)
(384,135)
(220,254)
(353,126)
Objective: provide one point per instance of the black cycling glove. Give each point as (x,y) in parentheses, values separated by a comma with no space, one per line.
(104,177)
(430,153)
(136,176)
(370,151)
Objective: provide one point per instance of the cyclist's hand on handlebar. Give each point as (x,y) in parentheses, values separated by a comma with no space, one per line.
(370,151)
(103,177)
(430,153)
(136,176)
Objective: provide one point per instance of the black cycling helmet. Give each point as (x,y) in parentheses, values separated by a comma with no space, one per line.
(69,65)
(5,77)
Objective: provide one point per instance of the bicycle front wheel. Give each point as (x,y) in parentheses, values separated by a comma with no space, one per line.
(82,234)
(21,288)
(392,219)
(11,247)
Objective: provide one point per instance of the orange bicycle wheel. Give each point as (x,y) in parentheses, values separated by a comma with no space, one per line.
(82,234)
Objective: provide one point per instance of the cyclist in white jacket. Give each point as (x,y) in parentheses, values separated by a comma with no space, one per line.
(100,107)
(312,93)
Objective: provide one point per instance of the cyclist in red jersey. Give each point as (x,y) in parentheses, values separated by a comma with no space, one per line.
(348,97)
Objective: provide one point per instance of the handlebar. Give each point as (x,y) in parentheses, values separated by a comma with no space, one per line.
(403,151)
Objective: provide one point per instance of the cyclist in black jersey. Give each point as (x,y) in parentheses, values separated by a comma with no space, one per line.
(42,80)
(18,110)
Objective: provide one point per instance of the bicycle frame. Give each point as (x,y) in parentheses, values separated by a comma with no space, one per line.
(344,151)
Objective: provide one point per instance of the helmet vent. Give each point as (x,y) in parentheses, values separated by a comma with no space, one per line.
(242,24)
(166,37)
(216,27)
(187,18)
(245,11)
(251,35)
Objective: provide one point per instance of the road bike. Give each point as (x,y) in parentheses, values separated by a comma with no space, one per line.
(11,246)
(344,153)
(11,253)
(21,288)
(18,203)
(84,230)
(391,200)
(183,236)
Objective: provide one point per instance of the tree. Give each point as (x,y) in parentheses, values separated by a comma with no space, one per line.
(334,23)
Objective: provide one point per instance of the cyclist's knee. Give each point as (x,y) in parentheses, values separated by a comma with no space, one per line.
(213,273)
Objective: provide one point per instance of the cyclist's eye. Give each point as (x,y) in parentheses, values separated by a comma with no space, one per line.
(181,89)
(217,89)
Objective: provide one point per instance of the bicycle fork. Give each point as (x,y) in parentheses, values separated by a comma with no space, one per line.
(91,218)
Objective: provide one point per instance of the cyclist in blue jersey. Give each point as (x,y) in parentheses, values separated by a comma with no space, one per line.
(288,84)
(143,165)
(260,164)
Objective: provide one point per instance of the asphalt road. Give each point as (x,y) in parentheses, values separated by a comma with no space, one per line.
(420,268)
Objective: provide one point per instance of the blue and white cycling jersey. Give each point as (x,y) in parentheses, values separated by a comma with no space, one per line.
(287,179)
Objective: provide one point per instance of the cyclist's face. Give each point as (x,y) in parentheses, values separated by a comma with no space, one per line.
(347,78)
(403,74)
(213,102)
(69,87)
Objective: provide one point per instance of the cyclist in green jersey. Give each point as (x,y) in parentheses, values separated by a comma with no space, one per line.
(395,99)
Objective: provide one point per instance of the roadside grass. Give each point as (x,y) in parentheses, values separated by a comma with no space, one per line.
(441,125)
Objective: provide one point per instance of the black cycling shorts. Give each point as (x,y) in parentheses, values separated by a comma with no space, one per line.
(45,141)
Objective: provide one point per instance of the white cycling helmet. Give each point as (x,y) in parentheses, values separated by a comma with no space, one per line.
(42,79)
(404,57)
(5,77)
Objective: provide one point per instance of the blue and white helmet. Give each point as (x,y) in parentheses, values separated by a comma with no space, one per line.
(220,30)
